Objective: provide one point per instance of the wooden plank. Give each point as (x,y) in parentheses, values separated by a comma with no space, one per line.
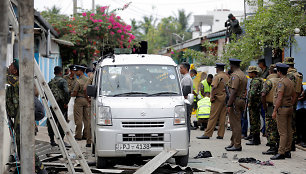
(158,160)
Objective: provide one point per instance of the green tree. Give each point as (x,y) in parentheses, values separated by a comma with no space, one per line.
(270,27)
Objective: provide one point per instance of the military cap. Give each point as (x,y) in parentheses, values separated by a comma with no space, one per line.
(220,65)
(282,66)
(80,67)
(252,69)
(16,63)
(72,68)
(289,60)
(261,61)
(234,61)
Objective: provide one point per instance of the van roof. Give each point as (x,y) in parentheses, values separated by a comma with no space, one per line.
(138,59)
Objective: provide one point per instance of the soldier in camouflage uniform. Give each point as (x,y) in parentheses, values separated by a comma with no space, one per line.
(296,78)
(254,104)
(267,94)
(12,108)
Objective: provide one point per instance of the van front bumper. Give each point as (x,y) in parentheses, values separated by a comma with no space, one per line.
(124,131)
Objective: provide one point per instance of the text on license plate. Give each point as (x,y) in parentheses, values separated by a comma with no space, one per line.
(139,146)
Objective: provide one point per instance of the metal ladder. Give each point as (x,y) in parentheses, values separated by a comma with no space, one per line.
(47,96)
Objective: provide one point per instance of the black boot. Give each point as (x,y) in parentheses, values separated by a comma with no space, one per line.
(195,124)
(288,154)
(255,140)
(293,146)
(271,151)
(278,157)
(249,137)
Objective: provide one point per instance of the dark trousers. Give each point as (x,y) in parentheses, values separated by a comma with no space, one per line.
(263,115)
(50,130)
(244,125)
(300,125)
(188,120)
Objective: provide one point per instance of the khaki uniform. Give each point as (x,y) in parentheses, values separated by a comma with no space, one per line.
(284,114)
(70,81)
(89,82)
(81,109)
(218,107)
(237,81)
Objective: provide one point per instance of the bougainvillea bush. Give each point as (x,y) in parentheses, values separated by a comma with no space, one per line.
(93,33)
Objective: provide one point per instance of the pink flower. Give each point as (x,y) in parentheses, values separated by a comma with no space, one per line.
(134,50)
(119,31)
(84,14)
(172,52)
(122,37)
(112,33)
(129,41)
(104,15)
(95,21)
(92,14)
(100,20)
(118,17)
(132,37)
(109,27)
(128,28)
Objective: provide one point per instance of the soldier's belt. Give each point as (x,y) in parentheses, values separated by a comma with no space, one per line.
(285,106)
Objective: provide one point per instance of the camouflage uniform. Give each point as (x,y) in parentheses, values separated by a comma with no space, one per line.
(272,133)
(63,86)
(254,99)
(13,111)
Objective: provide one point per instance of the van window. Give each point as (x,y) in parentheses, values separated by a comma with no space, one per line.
(139,80)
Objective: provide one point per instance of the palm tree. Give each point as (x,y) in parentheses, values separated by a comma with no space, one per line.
(183,19)
(147,23)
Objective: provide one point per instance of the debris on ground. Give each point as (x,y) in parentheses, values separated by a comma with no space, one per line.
(254,161)
(203,154)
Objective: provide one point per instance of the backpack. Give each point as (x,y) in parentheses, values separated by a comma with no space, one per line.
(56,91)
(39,109)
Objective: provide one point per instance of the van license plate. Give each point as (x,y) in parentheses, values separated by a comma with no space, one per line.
(132,147)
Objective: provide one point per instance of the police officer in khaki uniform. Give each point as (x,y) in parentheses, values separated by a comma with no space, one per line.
(236,103)
(283,108)
(218,107)
(70,78)
(81,105)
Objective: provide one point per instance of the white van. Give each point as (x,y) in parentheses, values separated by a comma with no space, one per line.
(137,108)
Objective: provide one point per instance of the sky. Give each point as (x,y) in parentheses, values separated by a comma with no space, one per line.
(140,8)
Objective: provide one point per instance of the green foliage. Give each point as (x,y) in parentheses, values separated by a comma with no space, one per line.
(92,33)
(207,57)
(166,32)
(270,27)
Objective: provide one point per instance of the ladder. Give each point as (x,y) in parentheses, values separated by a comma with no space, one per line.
(47,96)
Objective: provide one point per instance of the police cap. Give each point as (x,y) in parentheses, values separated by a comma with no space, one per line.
(234,61)
(282,66)
(72,68)
(80,67)
(220,65)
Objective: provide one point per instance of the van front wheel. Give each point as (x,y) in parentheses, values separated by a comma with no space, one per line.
(101,163)
(182,160)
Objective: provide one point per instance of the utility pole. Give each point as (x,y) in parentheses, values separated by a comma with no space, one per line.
(75,6)
(3,48)
(93,6)
(26,85)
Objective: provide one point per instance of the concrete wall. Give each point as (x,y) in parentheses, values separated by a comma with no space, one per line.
(298,51)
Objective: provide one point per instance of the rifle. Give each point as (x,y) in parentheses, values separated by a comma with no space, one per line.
(227,94)
(245,112)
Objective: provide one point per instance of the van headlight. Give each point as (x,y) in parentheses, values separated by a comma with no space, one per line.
(179,115)
(104,117)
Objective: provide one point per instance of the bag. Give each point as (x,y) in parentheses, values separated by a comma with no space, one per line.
(56,91)
(39,109)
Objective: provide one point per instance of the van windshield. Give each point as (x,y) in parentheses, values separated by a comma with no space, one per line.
(139,80)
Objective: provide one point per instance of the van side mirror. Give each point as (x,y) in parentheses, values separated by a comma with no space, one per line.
(92,91)
(190,98)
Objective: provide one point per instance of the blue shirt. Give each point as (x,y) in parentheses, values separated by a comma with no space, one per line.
(301,104)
